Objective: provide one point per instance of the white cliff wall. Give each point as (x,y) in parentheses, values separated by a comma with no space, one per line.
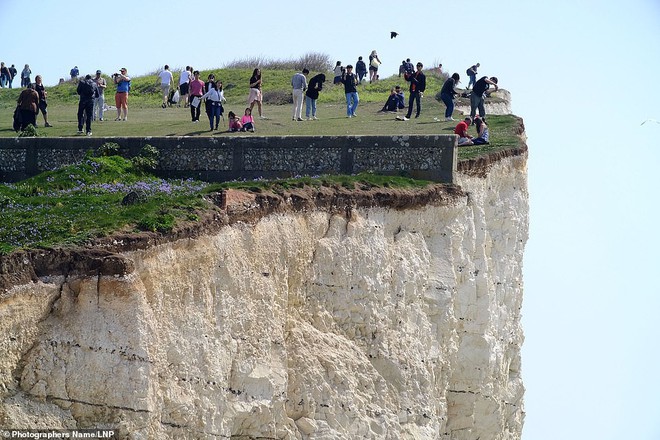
(384,325)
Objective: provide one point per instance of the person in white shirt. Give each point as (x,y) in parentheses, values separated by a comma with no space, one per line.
(184,85)
(166,80)
(214,97)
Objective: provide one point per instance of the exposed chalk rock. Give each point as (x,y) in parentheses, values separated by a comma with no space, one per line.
(374,324)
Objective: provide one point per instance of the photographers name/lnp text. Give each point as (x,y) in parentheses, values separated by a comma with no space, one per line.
(56,434)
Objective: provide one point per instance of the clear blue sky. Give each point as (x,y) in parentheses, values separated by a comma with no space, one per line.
(583,75)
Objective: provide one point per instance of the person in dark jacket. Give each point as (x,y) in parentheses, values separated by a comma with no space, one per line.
(479,95)
(447,94)
(417,87)
(350,81)
(360,69)
(28,106)
(312,94)
(88,91)
(395,101)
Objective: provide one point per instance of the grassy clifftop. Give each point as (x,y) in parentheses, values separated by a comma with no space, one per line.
(79,203)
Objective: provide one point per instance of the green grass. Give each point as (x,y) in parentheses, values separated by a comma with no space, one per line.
(77,203)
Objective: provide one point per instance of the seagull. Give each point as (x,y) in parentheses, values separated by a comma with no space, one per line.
(650,120)
(393,35)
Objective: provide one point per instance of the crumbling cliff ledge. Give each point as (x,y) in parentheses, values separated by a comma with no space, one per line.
(311,314)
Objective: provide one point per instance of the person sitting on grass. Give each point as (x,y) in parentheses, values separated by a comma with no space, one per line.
(234,123)
(247,121)
(464,139)
(395,101)
(482,132)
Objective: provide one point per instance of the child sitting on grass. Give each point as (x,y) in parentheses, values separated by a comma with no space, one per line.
(234,123)
(247,121)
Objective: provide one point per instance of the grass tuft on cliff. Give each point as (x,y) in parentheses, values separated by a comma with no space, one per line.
(77,203)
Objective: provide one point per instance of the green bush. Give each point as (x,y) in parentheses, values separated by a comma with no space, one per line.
(29,131)
(108,149)
(147,160)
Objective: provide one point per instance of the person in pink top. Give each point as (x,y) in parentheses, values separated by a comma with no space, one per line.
(247,121)
(234,122)
(196,92)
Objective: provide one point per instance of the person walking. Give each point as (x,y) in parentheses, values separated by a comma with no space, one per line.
(196,92)
(214,98)
(43,99)
(312,94)
(299,84)
(472,74)
(166,80)
(4,75)
(99,101)
(350,81)
(374,63)
(478,96)
(338,72)
(25,76)
(360,69)
(447,94)
(184,85)
(123,82)
(12,75)
(417,87)
(87,90)
(255,92)
(28,106)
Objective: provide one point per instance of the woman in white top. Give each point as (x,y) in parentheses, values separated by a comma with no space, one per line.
(214,97)
(374,62)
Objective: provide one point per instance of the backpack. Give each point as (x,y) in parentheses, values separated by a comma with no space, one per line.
(469,72)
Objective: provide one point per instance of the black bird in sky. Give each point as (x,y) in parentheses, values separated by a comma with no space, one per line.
(393,35)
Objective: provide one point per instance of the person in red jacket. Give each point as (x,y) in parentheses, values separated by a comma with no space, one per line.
(461,130)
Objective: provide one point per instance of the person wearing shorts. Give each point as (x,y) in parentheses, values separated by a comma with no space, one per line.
(255,92)
(184,86)
(43,103)
(166,80)
(121,96)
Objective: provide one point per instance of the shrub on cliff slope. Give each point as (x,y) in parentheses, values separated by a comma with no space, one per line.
(82,201)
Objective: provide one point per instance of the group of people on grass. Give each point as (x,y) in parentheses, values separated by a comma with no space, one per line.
(192,92)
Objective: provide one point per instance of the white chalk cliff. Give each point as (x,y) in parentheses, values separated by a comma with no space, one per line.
(363,323)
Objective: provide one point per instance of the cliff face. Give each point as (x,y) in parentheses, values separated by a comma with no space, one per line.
(351,322)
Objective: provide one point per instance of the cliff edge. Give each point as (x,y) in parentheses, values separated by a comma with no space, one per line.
(323,315)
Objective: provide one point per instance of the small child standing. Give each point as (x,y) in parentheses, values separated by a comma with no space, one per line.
(247,121)
(234,123)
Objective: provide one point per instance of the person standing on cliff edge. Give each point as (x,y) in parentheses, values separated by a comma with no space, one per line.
(479,95)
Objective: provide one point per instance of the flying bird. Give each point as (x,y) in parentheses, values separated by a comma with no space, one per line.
(393,35)
(650,120)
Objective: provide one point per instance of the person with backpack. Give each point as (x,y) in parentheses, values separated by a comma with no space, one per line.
(472,74)
(88,91)
(360,69)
